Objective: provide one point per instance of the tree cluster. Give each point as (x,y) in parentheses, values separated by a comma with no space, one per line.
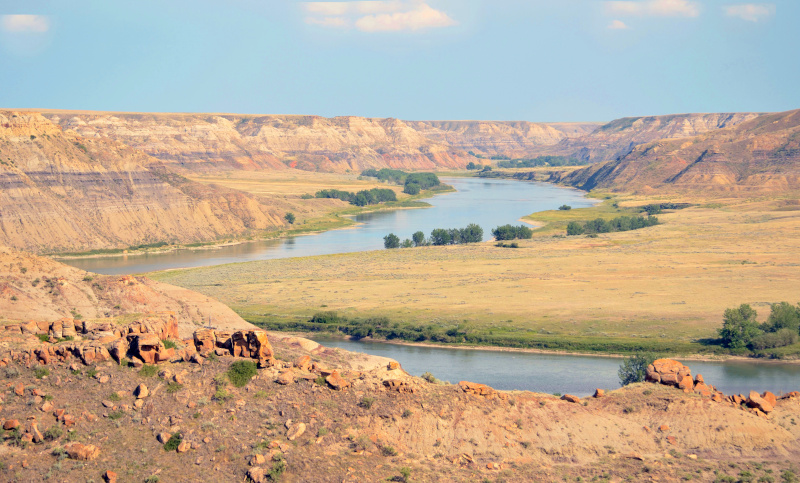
(472,233)
(362,198)
(416,182)
(394,176)
(474,166)
(540,161)
(657,208)
(620,223)
(741,330)
(509,232)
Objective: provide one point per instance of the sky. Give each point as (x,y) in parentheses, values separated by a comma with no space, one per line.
(534,60)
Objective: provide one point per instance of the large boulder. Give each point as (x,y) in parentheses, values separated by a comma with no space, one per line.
(81,452)
(260,348)
(146,347)
(668,372)
(205,341)
(754,400)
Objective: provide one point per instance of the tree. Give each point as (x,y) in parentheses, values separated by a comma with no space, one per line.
(634,368)
(471,165)
(407,243)
(411,189)
(418,238)
(564,207)
(440,236)
(783,316)
(472,234)
(391,241)
(739,327)
(290,218)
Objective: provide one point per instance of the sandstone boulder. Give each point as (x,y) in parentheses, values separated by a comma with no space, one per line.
(754,400)
(571,398)
(599,393)
(141,391)
(336,381)
(295,431)
(667,371)
(81,452)
(398,385)
(303,363)
(285,378)
(770,398)
(476,389)
(146,347)
(205,341)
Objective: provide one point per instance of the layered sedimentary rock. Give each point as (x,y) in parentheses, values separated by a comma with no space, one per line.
(761,155)
(60,191)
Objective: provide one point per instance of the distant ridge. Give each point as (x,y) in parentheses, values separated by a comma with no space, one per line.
(761,154)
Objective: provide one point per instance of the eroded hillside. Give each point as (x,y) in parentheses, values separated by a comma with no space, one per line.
(761,155)
(60,191)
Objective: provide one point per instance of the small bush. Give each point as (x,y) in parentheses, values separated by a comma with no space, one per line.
(91,373)
(221,395)
(53,433)
(114,397)
(388,451)
(88,278)
(148,370)
(43,337)
(40,372)
(60,453)
(170,344)
(116,415)
(173,442)
(564,207)
(240,372)
(173,387)
(320,380)
(278,467)
(367,402)
(407,413)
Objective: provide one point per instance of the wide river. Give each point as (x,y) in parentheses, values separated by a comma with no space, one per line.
(489,203)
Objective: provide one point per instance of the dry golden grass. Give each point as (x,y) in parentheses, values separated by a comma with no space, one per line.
(672,281)
(290,182)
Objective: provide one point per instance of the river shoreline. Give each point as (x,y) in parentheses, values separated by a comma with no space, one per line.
(694,357)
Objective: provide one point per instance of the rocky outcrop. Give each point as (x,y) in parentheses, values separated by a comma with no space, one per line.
(760,155)
(52,293)
(62,192)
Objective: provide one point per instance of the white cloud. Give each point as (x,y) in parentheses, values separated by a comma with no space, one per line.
(617,25)
(25,23)
(655,8)
(377,16)
(420,18)
(752,12)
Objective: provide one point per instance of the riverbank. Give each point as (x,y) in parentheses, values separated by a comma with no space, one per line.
(491,348)
(334,220)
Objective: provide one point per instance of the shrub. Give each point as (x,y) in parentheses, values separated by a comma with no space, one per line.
(221,395)
(391,241)
(170,344)
(240,372)
(43,337)
(53,433)
(739,327)
(148,370)
(634,368)
(564,207)
(173,387)
(509,232)
(388,451)
(290,218)
(367,402)
(40,372)
(173,442)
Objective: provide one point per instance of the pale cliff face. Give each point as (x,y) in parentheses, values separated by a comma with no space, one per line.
(62,192)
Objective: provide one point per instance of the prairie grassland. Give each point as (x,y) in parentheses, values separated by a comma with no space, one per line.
(291,182)
(668,282)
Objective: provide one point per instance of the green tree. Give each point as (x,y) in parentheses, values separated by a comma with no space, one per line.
(634,368)
(440,236)
(418,238)
(290,218)
(783,316)
(391,241)
(564,207)
(739,327)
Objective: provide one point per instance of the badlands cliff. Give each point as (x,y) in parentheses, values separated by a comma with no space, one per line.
(760,155)
(60,191)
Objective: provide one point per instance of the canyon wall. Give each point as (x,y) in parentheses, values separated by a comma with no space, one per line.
(60,191)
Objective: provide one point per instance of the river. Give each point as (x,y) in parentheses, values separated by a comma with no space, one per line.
(487,202)
(564,374)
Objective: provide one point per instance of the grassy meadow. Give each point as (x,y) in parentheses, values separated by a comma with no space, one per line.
(662,288)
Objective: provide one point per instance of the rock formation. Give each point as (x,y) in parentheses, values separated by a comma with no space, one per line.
(61,192)
(760,155)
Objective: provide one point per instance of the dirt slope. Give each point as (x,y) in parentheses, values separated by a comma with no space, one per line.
(60,191)
(761,155)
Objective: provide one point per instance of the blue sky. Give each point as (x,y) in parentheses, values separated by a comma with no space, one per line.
(536,60)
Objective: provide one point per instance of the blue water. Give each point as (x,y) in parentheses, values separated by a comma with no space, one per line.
(487,202)
(565,374)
